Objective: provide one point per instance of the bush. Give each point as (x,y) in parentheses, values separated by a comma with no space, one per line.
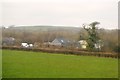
(117,49)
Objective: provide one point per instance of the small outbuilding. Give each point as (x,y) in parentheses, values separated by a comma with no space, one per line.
(26,45)
(83,44)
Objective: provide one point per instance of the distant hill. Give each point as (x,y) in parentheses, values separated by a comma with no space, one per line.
(47,28)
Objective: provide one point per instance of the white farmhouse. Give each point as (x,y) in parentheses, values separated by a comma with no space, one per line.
(83,44)
(25,45)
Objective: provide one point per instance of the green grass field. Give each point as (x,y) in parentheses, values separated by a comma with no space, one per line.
(25,64)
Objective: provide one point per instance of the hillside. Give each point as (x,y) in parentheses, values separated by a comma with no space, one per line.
(46,28)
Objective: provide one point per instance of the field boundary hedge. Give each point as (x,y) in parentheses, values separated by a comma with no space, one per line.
(62,51)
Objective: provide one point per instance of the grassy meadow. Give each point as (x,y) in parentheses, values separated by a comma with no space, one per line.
(26,64)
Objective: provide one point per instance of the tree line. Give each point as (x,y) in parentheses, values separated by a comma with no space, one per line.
(109,37)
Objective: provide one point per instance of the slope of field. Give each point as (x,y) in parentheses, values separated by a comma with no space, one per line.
(25,64)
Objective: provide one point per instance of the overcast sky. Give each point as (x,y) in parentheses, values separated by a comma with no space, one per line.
(60,12)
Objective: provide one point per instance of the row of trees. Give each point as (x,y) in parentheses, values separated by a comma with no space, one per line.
(30,36)
(89,32)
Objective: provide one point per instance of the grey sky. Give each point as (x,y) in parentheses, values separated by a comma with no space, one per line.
(60,12)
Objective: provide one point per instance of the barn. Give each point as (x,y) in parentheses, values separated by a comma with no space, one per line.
(60,42)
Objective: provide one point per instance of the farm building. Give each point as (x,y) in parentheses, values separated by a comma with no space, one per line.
(26,45)
(8,41)
(99,45)
(83,44)
(60,42)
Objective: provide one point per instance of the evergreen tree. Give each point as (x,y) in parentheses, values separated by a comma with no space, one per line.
(93,37)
